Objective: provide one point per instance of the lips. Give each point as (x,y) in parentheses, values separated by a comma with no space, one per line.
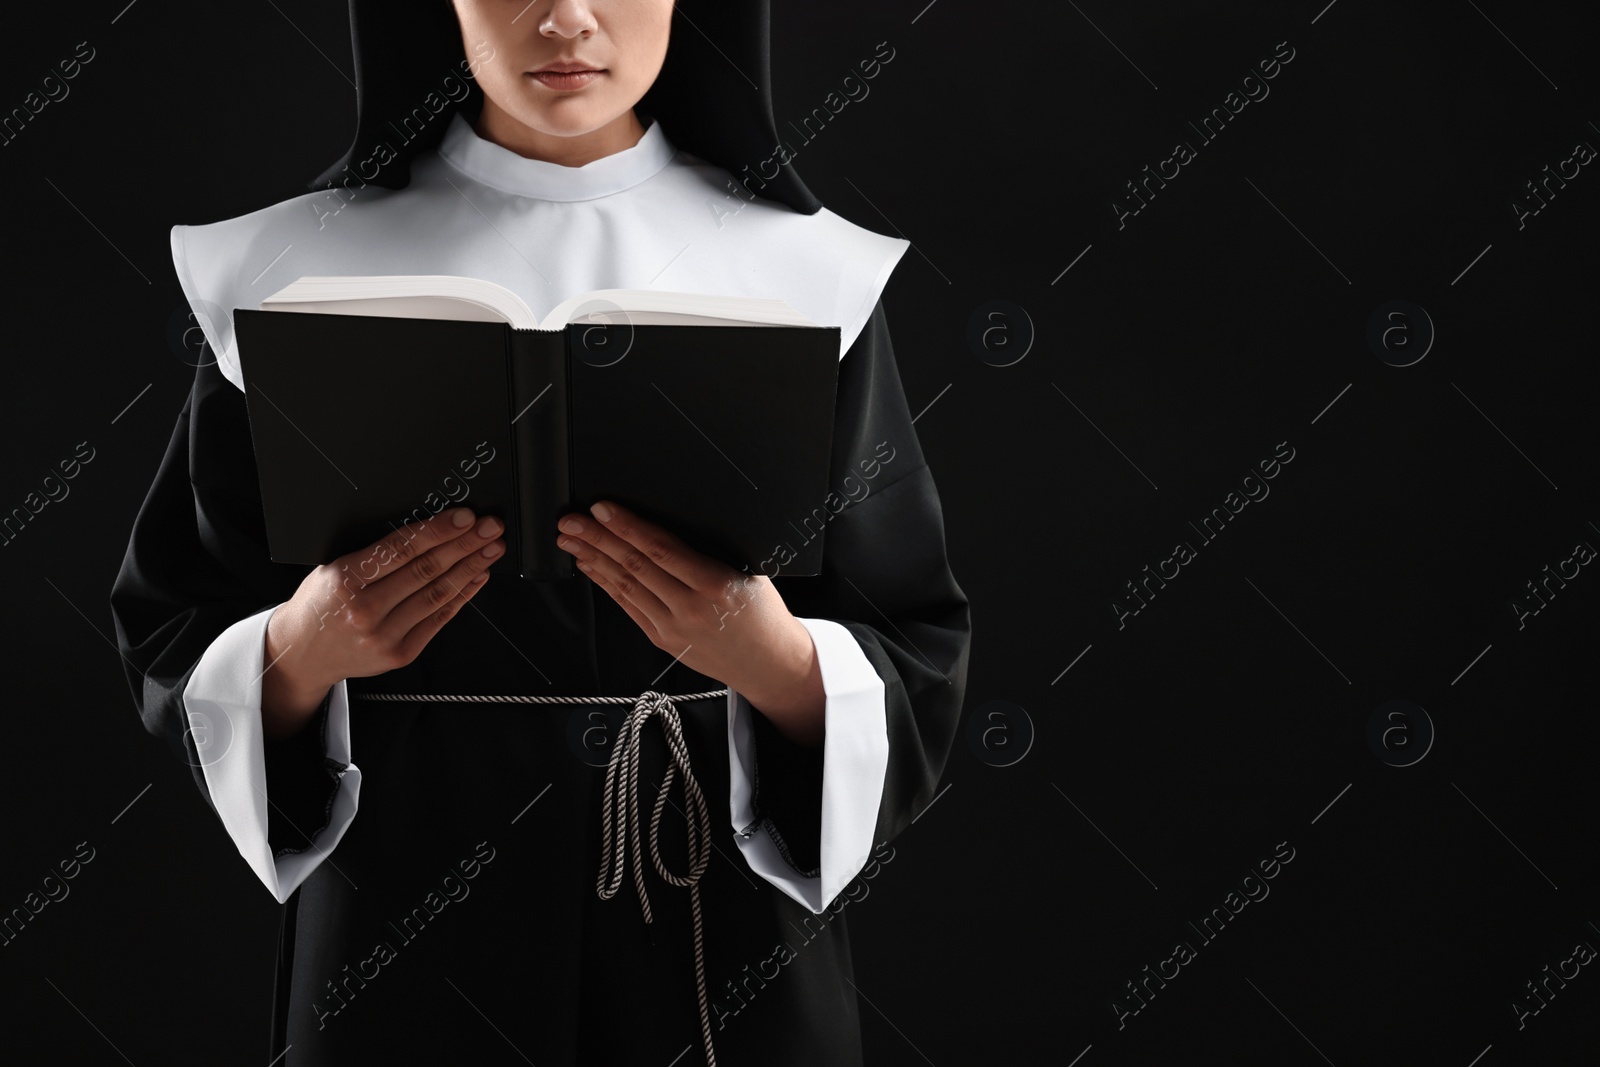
(564,79)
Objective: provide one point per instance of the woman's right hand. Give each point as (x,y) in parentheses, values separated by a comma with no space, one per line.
(371,611)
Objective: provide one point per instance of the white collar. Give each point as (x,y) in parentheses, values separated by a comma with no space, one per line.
(503,169)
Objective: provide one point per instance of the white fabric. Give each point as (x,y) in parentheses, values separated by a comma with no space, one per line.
(855,758)
(648,217)
(223,703)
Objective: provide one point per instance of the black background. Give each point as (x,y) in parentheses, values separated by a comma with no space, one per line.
(1182,347)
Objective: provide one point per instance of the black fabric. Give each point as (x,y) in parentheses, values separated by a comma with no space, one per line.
(527,945)
(713,95)
(788,794)
(302,782)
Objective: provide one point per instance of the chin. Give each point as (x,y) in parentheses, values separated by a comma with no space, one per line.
(564,121)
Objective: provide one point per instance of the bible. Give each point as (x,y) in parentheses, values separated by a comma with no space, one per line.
(375,402)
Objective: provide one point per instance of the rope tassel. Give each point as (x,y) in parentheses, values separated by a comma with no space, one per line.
(623,793)
(621,796)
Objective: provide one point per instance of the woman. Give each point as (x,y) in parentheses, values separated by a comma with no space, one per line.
(441,899)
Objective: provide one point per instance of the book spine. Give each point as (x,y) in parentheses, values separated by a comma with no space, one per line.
(540,417)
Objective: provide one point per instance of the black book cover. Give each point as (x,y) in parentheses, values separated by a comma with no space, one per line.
(722,434)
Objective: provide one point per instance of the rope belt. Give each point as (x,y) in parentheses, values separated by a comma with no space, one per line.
(622,791)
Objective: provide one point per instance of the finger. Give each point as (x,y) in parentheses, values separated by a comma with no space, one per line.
(635,560)
(639,618)
(631,586)
(435,594)
(658,544)
(390,553)
(422,570)
(419,635)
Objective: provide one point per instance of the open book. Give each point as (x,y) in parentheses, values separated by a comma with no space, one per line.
(390,399)
(438,296)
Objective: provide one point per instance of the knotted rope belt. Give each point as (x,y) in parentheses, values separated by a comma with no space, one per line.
(622,790)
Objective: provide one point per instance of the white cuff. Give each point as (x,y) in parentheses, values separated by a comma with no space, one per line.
(223,703)
(855,759)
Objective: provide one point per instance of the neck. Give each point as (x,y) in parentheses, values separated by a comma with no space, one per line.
(501,127)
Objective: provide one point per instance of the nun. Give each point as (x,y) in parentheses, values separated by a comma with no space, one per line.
(441,770)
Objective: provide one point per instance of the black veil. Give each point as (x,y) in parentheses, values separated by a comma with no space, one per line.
(713,95)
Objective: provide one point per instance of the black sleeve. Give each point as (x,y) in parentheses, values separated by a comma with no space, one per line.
(196,563)
(884,578)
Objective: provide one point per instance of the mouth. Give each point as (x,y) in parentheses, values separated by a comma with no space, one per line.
(566,76)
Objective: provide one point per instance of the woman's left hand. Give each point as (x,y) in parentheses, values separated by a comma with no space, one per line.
(721,622)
